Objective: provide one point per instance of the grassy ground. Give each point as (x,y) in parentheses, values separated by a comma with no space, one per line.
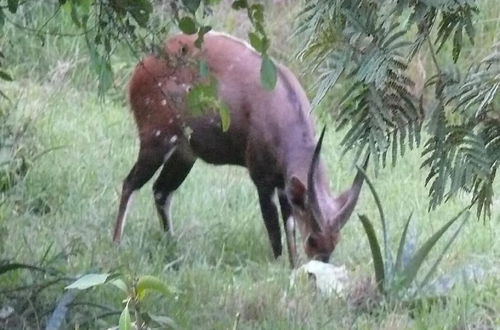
(220,258)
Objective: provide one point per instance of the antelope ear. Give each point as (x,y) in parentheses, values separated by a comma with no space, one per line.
(296,192)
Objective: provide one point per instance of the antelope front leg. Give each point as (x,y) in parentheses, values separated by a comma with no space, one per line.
(289,223)
(271,218)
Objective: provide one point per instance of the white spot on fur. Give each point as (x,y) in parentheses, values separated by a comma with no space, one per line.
(170,121)
(147,101)
(173,139)
(157,133)
(159,84)
(164,102)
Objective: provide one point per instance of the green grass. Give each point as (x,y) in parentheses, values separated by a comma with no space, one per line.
(220,258)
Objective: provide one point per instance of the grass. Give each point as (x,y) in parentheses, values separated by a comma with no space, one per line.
(220,258)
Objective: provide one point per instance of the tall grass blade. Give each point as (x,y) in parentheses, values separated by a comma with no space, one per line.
(378,261)
(408,275)
(387,252)
(432,270)
(4,268)
(402,244)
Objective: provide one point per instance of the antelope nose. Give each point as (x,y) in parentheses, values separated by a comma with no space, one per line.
(323,257)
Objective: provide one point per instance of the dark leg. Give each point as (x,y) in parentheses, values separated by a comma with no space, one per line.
(149,160)
(271,219)
(289,224)
(171,177)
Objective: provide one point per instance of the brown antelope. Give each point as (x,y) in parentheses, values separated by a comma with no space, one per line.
(271,134)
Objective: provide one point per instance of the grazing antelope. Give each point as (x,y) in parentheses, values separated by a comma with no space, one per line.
(270,133)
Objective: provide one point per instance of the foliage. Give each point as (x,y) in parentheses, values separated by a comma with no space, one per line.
(398,279)
(109,25)
(204,96)
(25,300)
(135,292)
(16,151)
(367,45)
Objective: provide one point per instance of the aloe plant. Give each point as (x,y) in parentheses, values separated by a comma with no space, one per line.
(397,279)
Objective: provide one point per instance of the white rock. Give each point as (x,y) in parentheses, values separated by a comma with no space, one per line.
(329,279)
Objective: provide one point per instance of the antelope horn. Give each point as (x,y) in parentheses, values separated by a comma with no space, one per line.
(349,198)
(311,187)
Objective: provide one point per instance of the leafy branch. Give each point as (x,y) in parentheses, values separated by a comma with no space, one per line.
(366,46)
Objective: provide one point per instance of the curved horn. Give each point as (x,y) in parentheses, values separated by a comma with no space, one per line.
(349,198)
(311,187)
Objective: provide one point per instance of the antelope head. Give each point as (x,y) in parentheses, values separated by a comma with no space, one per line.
(320,216)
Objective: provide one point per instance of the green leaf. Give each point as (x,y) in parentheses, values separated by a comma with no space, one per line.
(224,114)
(191,5)
(74,15)
(256,42)
(268,73)
(239,4)
(140,11)
(378,261)
(151,283)
(201,35)
(380,210)
(202,97)
(256,13)
(187,25)
(88,281)
(124,322)
(12,5)
(5,76)
(410,272)
(203,68)
(120,284)
(433,268)
(402,244)
(4,268)
(457,44)
(2,18)
(105,77)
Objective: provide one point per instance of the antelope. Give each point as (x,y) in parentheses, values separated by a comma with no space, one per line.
(271,133)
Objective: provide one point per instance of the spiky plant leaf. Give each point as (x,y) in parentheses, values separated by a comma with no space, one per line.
(410,272)
(402,244)
(378,261)
(436,263)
